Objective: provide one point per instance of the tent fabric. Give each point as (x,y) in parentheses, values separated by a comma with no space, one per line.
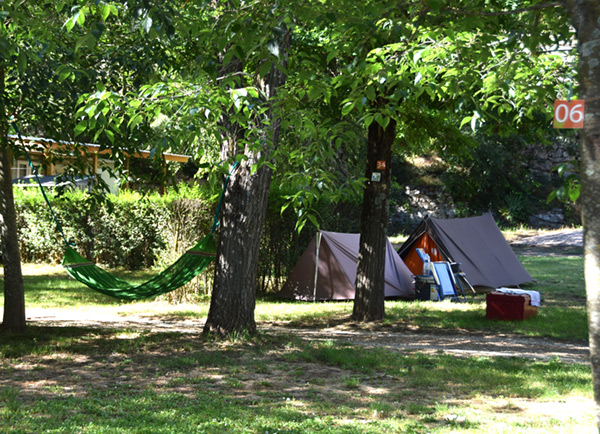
(475,242)
(337,262)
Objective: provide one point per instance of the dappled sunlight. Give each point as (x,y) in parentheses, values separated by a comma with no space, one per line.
(296,310)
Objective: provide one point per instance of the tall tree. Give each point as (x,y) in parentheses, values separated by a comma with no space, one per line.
(223,83)
(38,60)
(585,15)
(439,66)
(14,293)
(370,291)
(25,38)
(245,200)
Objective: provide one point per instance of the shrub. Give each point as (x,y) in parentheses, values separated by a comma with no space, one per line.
(135,231)
(128,230)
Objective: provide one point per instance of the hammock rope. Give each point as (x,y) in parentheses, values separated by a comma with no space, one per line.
(182,271)
(37,178)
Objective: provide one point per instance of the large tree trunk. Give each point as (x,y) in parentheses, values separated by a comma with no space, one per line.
(14,293)
(244,209)
(370,276)
(585,15)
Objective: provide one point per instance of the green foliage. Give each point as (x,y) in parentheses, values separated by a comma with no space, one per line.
(135,231)
(491,176)
(570,180)
(128,230)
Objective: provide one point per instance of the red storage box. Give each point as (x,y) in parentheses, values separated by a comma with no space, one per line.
(509,306)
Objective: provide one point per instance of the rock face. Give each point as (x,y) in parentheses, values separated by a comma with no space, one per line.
(555,218)
(417,203)
(542,159)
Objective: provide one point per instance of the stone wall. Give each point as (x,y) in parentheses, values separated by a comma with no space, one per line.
(415,204)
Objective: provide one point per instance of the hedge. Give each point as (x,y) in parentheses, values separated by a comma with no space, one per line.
(128,230)
(135,231)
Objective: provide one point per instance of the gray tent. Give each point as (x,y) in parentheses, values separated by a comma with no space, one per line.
(475,242)
(327,270)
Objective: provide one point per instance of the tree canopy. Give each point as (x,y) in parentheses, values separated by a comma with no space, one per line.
(306,88)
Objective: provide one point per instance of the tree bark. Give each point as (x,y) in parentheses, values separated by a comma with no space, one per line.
(233,298)
(14,293)
(585,16)
(234,290)
(370,276)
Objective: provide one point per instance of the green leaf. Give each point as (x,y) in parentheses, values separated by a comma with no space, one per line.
(64,74)
(370,92)
(87,40)
(22,62)
(134,121)
(385,122)
(70,23)
(265,68)
(147,24)
(313,220)
(300,225)
(104,11)
(110,135)
(347,108)
(80,127)
(314,92)
(81,18)
(465,121)
(574,193)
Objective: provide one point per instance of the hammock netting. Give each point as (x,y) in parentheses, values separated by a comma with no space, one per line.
(188,266)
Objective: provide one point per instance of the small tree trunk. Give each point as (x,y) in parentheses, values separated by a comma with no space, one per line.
(370,277)
(14,293)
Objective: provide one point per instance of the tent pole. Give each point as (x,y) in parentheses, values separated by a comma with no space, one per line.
(317,266)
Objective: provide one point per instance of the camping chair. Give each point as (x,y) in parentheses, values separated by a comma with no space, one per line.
(461,279)
(445,281)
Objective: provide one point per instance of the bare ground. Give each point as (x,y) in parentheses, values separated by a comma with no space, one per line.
(458,343)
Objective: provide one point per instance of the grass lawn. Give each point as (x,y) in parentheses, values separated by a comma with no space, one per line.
(90,380)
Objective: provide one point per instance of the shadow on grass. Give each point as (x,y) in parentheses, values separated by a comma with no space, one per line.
(77,379)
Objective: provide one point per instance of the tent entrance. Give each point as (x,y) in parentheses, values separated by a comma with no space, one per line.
(412,259)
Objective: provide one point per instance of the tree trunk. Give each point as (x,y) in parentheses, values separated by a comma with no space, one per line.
(244,209)
(585,15)
(14,293)
(370,277)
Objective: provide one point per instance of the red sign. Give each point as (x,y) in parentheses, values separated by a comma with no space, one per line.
(569,114)
(380,164)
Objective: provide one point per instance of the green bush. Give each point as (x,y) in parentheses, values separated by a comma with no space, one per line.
(492,176)
(128,230)
(135,231)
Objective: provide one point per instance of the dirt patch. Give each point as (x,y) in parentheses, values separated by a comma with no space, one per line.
(564,242)
(458,343)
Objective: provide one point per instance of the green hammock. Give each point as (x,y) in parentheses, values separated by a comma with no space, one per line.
(188,266)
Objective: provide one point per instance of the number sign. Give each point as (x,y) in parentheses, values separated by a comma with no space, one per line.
(569,114)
